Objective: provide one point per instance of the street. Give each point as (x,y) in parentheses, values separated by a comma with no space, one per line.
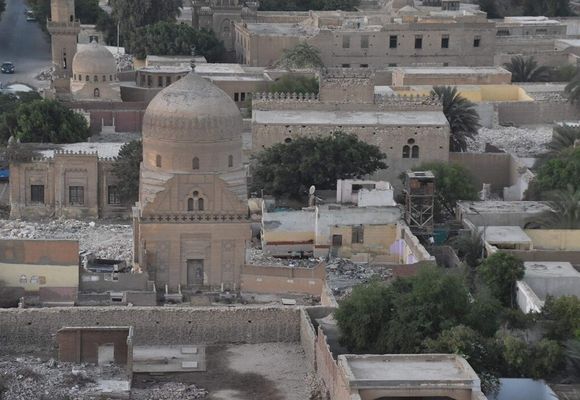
(23,43)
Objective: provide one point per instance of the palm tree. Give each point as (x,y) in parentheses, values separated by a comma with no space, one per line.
(470,249)
(303,55)
(564,137)
(527,70)
(460,113)
(573,89)
(565,212)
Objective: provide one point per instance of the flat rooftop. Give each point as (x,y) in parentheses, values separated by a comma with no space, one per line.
(365,371)
(526,20)
(103,149)
(283,29)
(549,269)
(303,117)
(453,70)
(504,234)
(502,207)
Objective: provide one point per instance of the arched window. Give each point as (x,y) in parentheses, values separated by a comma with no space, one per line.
(96,78)
(415,152)
(200,204)
(87,78)
(158,161)
(406,151)
(71,18)
(97,92)
(104,78)
(230,161)
(190,204)
(110,77)
(195,163)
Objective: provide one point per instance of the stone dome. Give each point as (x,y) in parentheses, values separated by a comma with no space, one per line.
(192,118)
(94,59)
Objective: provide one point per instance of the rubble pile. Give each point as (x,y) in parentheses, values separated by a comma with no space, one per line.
(342,274)
(124,62)
(45,74)
(111,240)
(522,141)
(171,391)
(28,378)
(256,256)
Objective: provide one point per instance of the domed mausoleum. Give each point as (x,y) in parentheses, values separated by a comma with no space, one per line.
(191,221)
(94,74)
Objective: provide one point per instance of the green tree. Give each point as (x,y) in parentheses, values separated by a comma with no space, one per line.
(563,73)
(562,317)
(133,14)
(288,169)
(303,55)
(548,8)
(500,272)
(126,169)
(556,173)
(565,213)
(485,313)
(490,7)
(295,84)
(8,117)
(460,113)
(527,70)
(167,38)
(452,183)
(469,248)
(539,360)
(563,137)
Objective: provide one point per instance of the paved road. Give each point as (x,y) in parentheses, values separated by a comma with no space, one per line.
(24,44)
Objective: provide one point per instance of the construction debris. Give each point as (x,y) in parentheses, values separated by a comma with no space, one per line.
(342,275)
(524,141)
(170,391)
(257,256)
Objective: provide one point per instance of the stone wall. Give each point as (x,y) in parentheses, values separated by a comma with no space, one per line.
(35,329)
(282,280)
(538,112)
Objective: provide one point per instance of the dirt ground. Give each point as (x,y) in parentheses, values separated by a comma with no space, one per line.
(273,371)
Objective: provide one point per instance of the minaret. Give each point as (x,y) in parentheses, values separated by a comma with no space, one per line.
(63,28)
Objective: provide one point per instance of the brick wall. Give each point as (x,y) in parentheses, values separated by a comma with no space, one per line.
(35,329)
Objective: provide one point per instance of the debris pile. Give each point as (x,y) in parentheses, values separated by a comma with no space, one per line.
(524,141)
(45,74)
(124,62)
(170,391)
(257,256)
(342,274)
(106,239)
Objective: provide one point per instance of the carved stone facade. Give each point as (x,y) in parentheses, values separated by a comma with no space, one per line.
(70,185)
(191,223)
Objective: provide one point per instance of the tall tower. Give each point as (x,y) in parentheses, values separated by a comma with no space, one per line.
(63,28)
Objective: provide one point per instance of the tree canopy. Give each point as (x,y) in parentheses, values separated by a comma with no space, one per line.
(288,169)
(295,84)
(307,5)
(168,38)
(565,209)
(303,55)
(452,183)
(548,8)
(126,170)
(563,137)
(2,6)
(562,317)
(500,272)
(556,173)
(461,114)
(527,70)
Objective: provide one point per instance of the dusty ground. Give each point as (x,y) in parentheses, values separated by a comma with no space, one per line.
(272,371)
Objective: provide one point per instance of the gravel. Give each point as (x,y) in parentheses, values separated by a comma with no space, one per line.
(106,239)
(170,391)
(525,141)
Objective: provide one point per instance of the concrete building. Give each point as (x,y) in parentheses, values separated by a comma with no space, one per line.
(48,269)
(362,40)
(94,74)
(364,193)
(191,223)
(500,213)
(452,76)
(410,131)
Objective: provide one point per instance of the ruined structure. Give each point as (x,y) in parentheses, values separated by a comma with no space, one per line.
(191,223)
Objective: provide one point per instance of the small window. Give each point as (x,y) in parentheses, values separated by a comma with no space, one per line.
(345,65)
(111,77)
(149,81)
(364,42)
(243,96)
(34,280)
(158,161)
(96,92)
(392,65)
(411,141)
(190,204)
(236,96)
(37,194)
(477,41)
(104,78)
(288,140)
(76,195)
(445,42)
(230,161)
(406,151)
(415,152)
(113,195)
(503,32)
(345,42)
(364,65)
(23,280)
(200,205)
(167,80)
(357,234)
(87,78)
(418,42)
(159,81)
(75,77)
(96,78)
(195,163)
(393,41)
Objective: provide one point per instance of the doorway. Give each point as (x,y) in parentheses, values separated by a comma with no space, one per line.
(336,245)
(195,273)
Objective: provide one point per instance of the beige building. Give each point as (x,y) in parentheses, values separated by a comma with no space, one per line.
(63,28)
(191,223)
(70,184)
(410,131)
(358,40)
(94,74)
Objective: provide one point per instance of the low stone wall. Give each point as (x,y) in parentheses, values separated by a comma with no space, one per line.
(280,280)
(537,112)
(35,329)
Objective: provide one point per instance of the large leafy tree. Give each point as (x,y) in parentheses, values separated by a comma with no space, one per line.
(500,272)
(303,55)
(288,169)
(8,105)
(126,169)
(527,70)
(548,8)
(452,183)
(562,317)
(539,360)
(167,38)
(556,173)
(460,113)
(307,5)
(490,7)
(295,84)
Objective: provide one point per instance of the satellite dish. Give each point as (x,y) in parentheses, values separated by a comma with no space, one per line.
(312,189)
